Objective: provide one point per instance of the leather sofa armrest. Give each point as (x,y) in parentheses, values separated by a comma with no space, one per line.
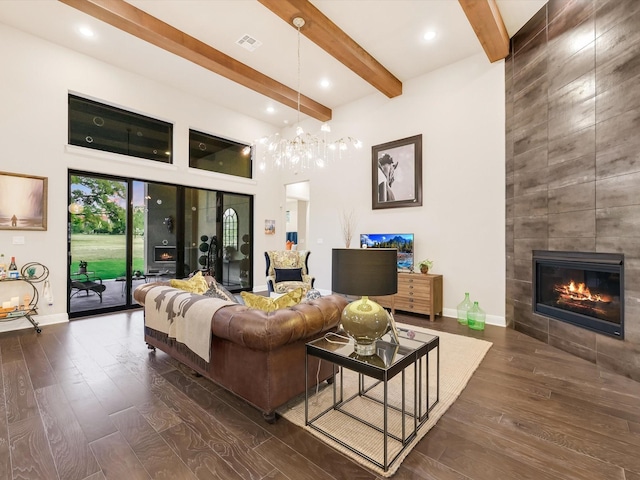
(259,330)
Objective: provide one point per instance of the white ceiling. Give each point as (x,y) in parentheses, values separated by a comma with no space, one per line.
(390,30)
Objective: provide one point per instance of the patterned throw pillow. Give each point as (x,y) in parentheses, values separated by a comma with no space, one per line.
(268,304)
(218,291)
(196,284)
(313,294)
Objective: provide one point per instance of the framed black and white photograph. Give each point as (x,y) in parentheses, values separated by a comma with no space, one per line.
(23,202)
(397,173)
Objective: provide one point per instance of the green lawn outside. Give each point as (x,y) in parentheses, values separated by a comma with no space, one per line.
(105,254)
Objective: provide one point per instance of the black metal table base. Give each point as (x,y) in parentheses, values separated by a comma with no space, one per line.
(418,415)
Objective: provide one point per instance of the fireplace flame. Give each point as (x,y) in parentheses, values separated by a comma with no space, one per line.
(580,292)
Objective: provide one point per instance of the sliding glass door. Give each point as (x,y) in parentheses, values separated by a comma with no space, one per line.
(98,242)
(235,234)
(124,232)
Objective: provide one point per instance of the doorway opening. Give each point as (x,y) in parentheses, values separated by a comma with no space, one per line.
(297,215)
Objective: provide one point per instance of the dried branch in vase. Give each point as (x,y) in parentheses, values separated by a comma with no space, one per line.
(348,222)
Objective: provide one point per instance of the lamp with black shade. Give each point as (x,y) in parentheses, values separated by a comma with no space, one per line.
(364,272)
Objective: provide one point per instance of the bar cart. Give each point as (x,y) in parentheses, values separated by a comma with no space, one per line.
(25,304)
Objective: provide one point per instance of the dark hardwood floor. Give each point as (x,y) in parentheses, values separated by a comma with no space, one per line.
(87,400)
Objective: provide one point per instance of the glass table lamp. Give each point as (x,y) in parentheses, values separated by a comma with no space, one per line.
(364,272)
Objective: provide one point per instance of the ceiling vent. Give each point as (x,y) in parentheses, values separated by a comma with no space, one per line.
(248,42)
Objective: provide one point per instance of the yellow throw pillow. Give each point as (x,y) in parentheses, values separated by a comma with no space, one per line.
(272,304)
(196,284)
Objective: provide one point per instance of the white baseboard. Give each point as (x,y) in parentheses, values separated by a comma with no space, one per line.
(496,320)
(23,323)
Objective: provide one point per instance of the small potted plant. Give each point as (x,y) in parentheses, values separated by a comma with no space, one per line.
(82,267)
(425,265)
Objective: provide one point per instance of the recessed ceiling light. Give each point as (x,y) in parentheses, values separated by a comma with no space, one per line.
(325,83)
(430,35)
(271,110)
(86,31)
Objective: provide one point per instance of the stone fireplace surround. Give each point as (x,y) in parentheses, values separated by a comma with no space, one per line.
(573,161)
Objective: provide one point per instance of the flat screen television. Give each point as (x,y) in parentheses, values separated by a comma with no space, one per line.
(403,242)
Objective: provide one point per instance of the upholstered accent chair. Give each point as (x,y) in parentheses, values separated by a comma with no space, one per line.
(288,270)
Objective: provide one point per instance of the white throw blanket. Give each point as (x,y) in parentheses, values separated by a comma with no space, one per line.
(184,316)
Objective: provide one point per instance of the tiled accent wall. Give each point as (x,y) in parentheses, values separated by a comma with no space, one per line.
(573,160)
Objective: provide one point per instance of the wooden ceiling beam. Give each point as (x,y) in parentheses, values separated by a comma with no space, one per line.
(484,16)
(130,19)
(327,35)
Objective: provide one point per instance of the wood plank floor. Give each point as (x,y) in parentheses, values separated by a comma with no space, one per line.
(87,400)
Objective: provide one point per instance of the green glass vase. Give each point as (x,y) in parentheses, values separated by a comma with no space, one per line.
(476,317)
(463,308)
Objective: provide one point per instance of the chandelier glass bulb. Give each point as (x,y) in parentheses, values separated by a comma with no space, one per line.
(305,150)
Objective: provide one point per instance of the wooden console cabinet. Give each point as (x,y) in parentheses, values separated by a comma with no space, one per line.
(417,293)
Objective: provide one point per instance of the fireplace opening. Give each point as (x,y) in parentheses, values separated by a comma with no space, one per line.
(584,289)
(164,254)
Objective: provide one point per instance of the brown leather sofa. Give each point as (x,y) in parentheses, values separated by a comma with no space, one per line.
(258,356)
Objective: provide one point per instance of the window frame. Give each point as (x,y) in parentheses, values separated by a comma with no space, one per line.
(153,138)
(216,145)
(226,231)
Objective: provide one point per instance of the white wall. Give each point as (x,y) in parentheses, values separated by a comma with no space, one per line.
(459,110)
(292,208)
(35,79)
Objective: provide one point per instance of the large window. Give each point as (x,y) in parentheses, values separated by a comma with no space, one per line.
(110,129)
(230,229)
(216,154)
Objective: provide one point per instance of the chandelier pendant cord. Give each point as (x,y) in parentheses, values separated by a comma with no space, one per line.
(299,25)
(305,150)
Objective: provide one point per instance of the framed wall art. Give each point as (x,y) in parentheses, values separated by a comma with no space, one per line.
(269,227)
(397,173)
(23,202)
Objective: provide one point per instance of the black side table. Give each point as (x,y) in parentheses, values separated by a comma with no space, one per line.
(391,360)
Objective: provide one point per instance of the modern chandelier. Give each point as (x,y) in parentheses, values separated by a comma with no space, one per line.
(305,150)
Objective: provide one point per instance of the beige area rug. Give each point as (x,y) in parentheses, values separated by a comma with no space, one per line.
(459,358)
